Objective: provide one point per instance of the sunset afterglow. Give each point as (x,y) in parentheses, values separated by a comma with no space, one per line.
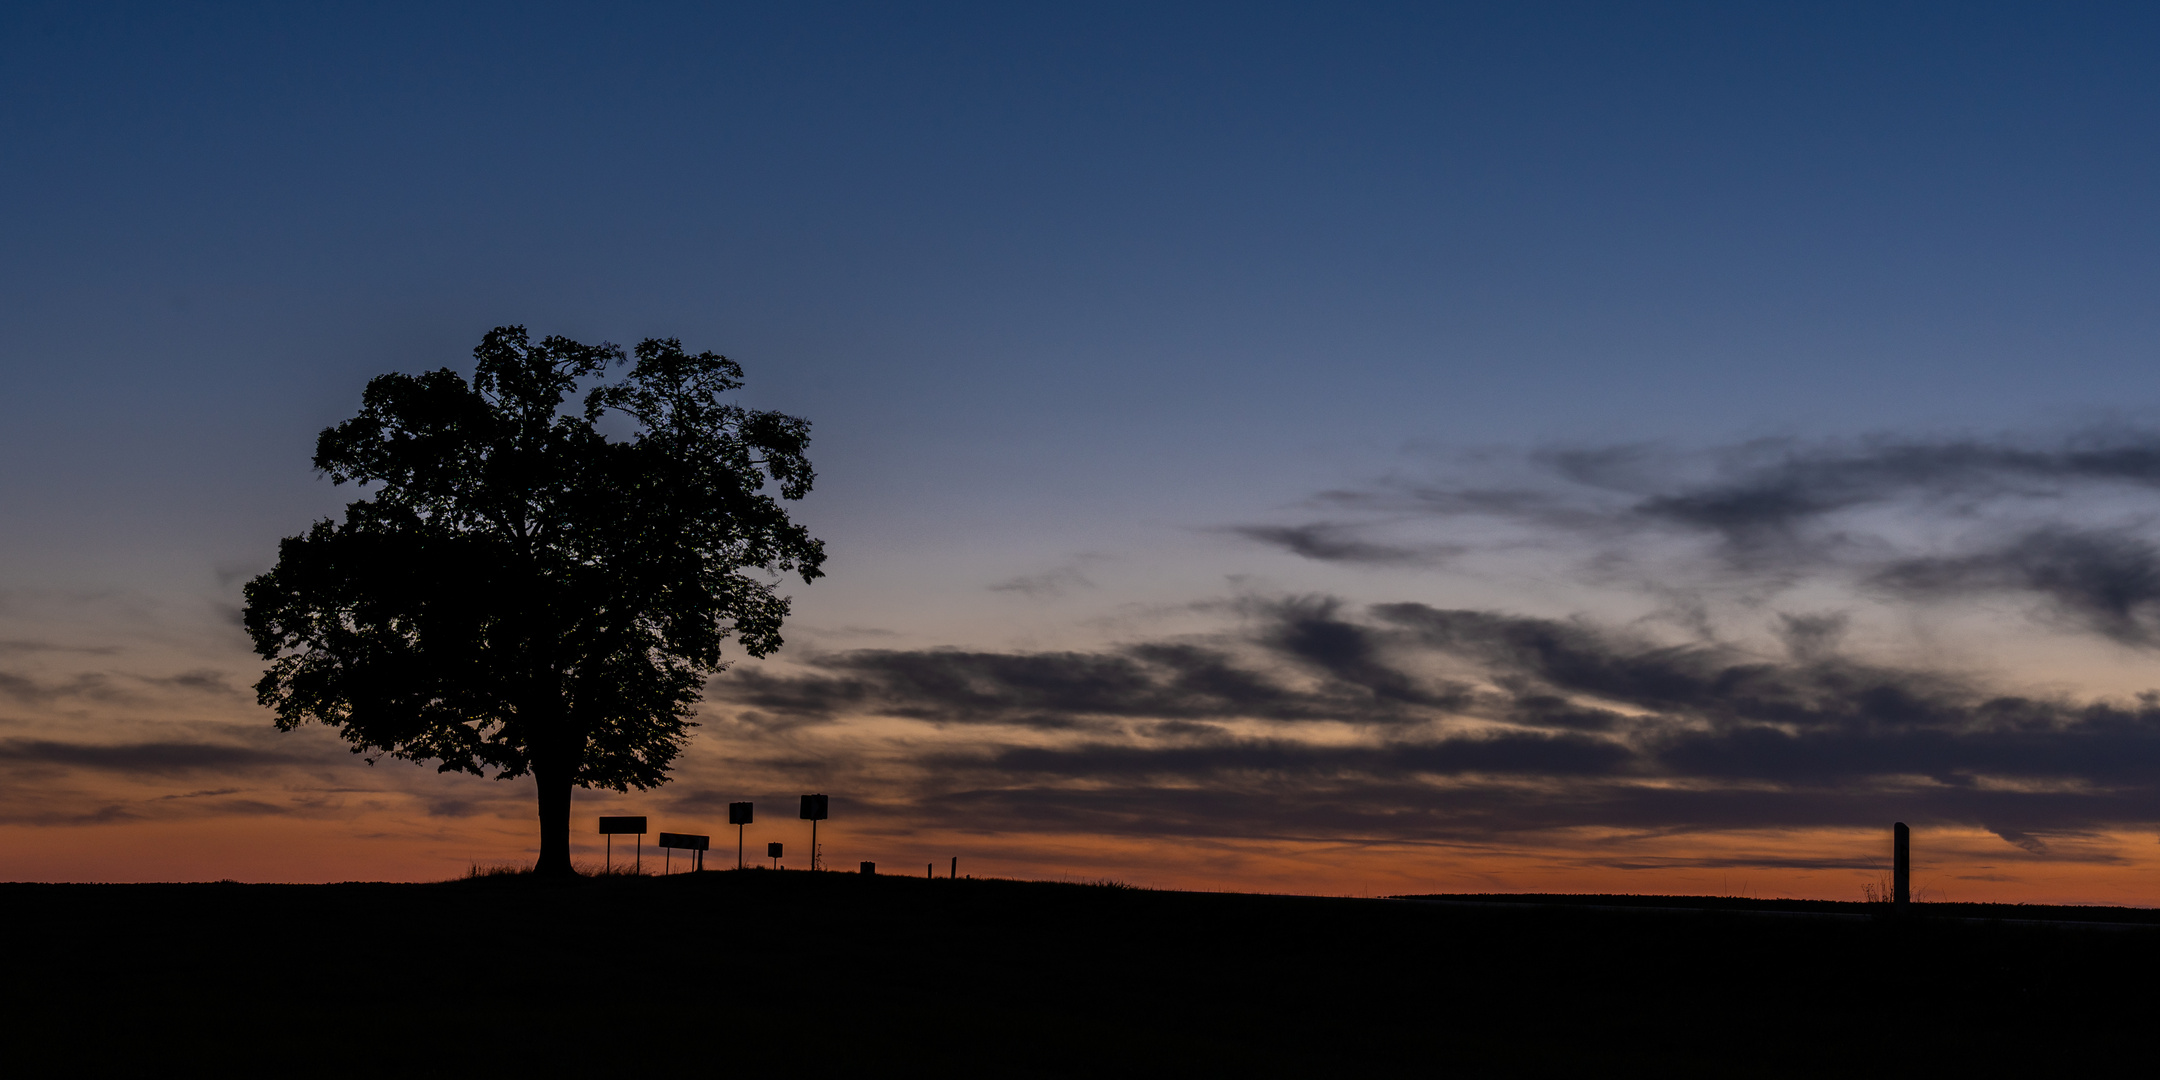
(1373,452)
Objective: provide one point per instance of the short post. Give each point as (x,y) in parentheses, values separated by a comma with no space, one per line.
(738,815)
(956,868)
(929,870)
(1901,865)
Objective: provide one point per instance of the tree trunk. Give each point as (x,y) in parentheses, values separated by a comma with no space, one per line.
(554,784)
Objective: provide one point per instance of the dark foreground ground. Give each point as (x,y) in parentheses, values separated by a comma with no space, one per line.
(760,971)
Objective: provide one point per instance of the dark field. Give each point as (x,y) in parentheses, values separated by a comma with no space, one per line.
(787,970)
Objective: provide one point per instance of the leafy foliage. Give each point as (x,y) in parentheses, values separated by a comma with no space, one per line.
(521,593)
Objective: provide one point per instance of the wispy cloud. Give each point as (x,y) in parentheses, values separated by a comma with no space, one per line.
(40,645)
(1340,542)
(33,691)
(1045,585)
(203,681)
(2071,523)
(2106,581)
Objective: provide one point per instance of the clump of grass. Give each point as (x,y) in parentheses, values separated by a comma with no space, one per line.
(496,870)
(586,869)
(1881,893)
(476,872)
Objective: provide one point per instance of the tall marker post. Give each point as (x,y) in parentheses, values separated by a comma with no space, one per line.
(813,811)
(738,815)
(1901,865)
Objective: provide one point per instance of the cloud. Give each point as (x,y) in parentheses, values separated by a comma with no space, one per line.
(30,691)
(141,758)
(1502,754)
(210,682)
(103,815)
(1812,637)
(2108,582)
(1342,543)
(453,807)
(1046,585)
(1071,690)
(2070,523)
(2023,840)
(1768,490)
(1312,630)
(40,645)
(1542,725)
(98,686)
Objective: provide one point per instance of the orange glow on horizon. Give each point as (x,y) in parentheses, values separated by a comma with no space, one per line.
(1949,864)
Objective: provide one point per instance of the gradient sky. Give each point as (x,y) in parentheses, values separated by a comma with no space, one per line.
(1336,448)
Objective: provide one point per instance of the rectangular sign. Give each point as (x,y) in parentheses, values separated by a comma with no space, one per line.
(617,826)
(738,813)
(813,808)
(684,841)
(772,850)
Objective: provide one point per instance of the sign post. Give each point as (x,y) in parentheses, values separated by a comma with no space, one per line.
(611,827)
(813,811)
(687,842)
(772,851)
(738,815)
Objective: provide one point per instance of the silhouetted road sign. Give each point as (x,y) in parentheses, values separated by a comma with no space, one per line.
(612,827)
(675,842)
(772,851)
(813,811)
(738,815)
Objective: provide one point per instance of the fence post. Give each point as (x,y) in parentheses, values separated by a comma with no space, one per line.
(1901,866)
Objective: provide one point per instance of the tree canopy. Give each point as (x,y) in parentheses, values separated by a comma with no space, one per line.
(523,594)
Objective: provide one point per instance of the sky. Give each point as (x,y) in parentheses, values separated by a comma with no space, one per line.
(1306,448)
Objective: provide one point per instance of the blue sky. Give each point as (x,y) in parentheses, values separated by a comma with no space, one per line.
(1073,295)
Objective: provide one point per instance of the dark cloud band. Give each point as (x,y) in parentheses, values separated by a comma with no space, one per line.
(1563,725)
(143,758)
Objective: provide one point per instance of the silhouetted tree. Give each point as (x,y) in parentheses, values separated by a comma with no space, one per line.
(521,593)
